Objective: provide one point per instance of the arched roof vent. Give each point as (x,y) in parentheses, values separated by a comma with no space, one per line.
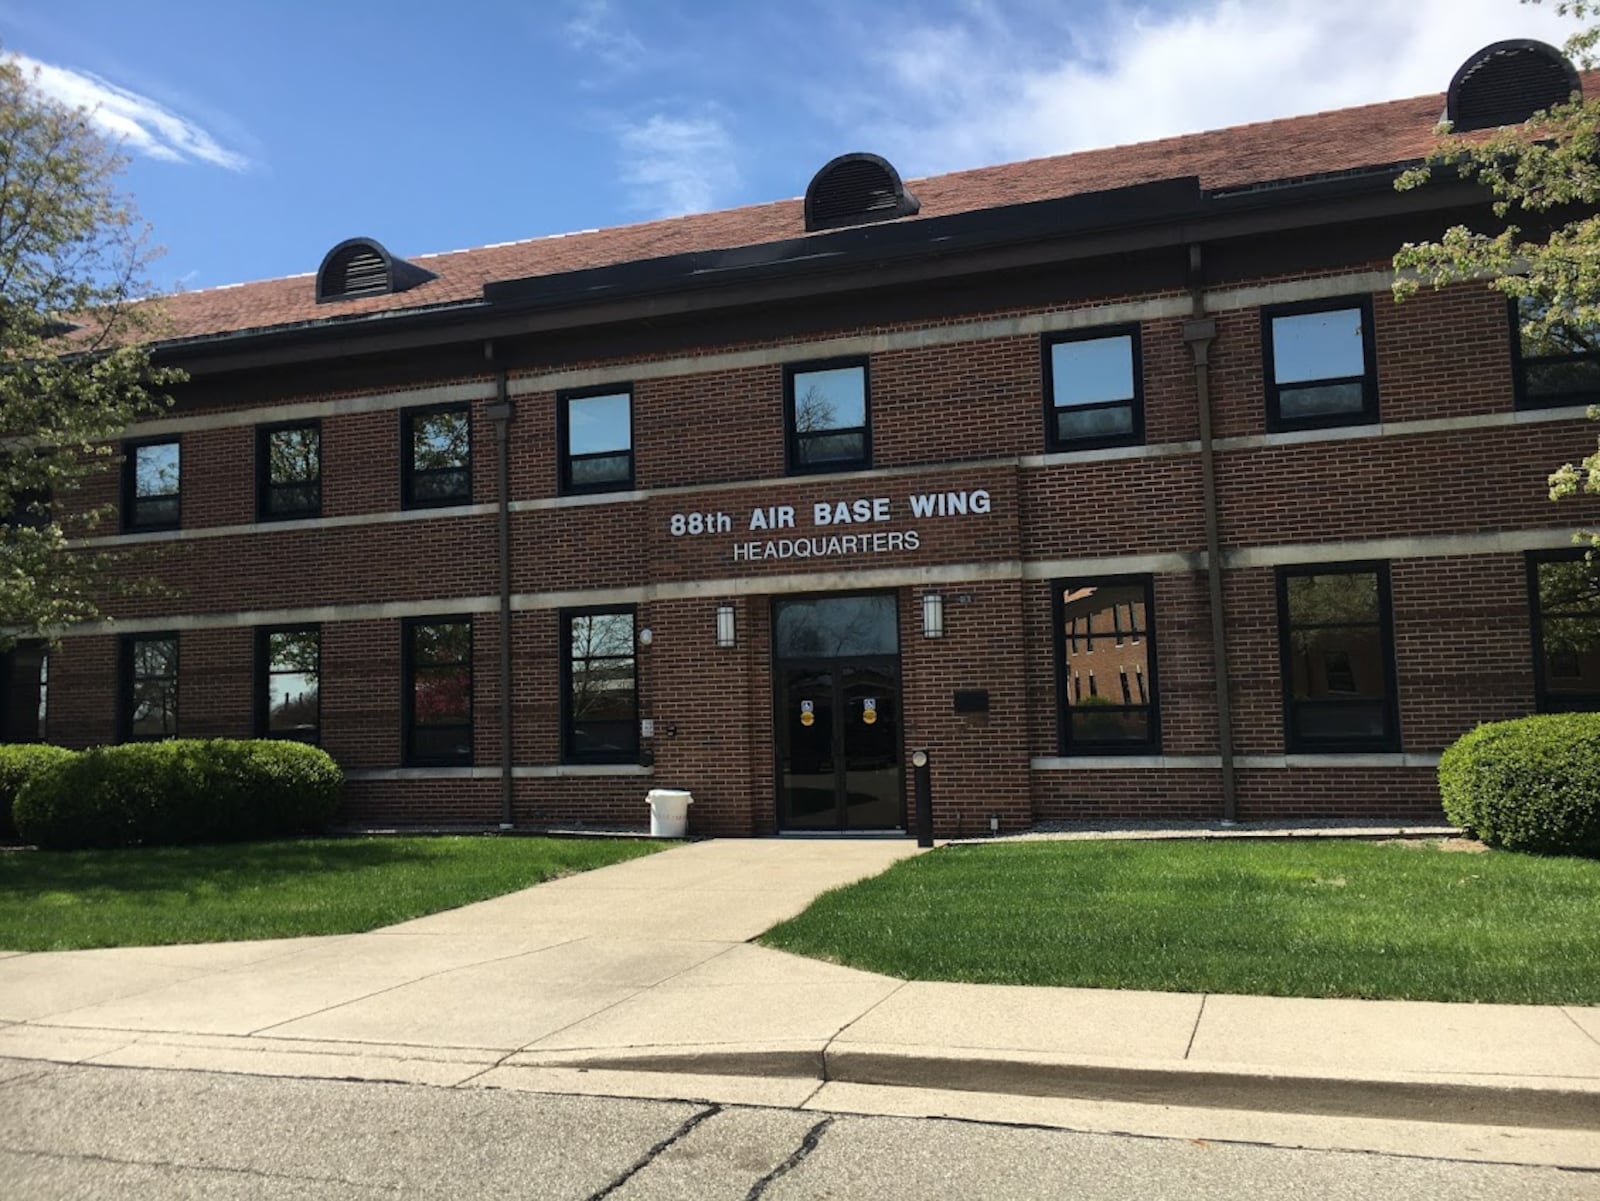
(1506,83)
(854,189)
(362,267)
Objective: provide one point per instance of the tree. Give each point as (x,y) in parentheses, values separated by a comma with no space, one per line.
(74,370)
(1544,177)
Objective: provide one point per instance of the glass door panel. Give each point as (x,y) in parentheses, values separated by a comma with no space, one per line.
(871,785)
(807,752)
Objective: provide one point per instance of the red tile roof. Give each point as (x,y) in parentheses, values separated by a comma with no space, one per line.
(1346,139)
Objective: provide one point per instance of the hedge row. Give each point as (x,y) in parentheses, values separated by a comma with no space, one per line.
(1528,785)
(19,764)
(179,791)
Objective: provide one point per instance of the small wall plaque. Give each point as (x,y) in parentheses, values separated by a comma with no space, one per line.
(972,700)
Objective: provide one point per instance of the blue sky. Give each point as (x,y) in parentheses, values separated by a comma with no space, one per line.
(260,134)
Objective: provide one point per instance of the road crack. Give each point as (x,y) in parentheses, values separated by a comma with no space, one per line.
(650,1156)
(806,1147)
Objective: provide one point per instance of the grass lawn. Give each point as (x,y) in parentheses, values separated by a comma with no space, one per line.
(62,901)
(1303,918)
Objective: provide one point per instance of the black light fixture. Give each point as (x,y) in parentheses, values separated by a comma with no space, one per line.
(726,631)
(932,615)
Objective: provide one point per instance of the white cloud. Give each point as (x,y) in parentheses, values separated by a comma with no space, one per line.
(982,88)
(597,27)
(140,124)
(677,165)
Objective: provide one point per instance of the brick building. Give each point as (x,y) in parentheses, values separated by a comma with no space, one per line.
(755,502)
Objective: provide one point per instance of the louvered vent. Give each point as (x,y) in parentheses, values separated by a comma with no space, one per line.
(855,189)
(1506,83)
(362,267)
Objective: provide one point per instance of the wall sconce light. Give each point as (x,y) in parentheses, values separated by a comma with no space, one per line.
(932,615)
(725,626)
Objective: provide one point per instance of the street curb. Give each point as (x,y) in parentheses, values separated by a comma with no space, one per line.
(1560,1104)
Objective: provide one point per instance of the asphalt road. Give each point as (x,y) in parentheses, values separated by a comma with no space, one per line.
(76,1131)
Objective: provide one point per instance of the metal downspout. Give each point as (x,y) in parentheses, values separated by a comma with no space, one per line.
(500,413)
(1199,332)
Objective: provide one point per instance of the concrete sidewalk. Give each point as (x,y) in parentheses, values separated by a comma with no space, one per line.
(640,977)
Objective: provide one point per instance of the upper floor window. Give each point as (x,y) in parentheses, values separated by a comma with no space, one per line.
(288,675)
(436,450)
(826,415)
(289,471)
(600,707)
(1557,362)
(1336,641)
(1106,665)
(1094,393)
(1564,588)
(149,687)
(1320,364)
(596,440)
(151,477)
(438,691)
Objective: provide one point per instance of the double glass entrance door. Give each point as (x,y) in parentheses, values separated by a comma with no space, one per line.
(839,715)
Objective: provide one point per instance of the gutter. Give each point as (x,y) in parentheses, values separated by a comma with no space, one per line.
(1198,334)
(500,412)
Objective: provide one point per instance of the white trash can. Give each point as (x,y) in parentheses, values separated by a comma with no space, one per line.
(669,812)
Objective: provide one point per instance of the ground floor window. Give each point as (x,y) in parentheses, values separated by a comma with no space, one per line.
(1564,594)
(288,674)
(149,687)
(24,693)
(1336,640)
(1106,665)
(600,688)
(437,669)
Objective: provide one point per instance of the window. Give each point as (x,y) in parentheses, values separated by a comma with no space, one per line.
(1321,368)
(288,671)
(436,450)
(150,485)
(438,697)
(288,471)
(1337,646)
(825,414)
(596,440)
(1556,363)
(1094,390)
(1106,666)
(1564,593)
(600,722)
(24,692)
(149,693)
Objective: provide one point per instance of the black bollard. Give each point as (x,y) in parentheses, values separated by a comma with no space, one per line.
(923,787)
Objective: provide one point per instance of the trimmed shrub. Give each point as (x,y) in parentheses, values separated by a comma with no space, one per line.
(1528,785)
(19,763)
(180,791)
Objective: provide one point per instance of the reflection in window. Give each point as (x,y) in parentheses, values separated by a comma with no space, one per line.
(837,626)
(1319,366)
(1095,390)
(290,667)
(597,451)
(1566,631)
(438,668)
(1338,659)
(602,694)
(290,472)
(826,408)
(150,687)
(1558,362)
(438,456)
(151,485)
(1104,637)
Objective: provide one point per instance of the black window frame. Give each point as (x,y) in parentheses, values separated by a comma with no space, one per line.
(408,472)
(1135,403)
(1521,362)
(792,437)
(1065,745)
(126,703)
(1390,740)
(569,752)
(1368,414)
(1564,702)
(408,695)
(264,484)
(130,485)
(263,682)
(565,456)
